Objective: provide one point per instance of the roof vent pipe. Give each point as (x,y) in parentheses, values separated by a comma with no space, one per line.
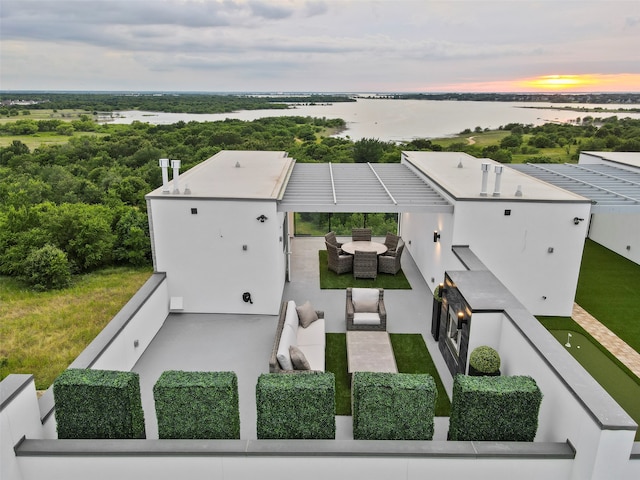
(519,191)
(485,176)
(164,164)
(496,190)
(175,164)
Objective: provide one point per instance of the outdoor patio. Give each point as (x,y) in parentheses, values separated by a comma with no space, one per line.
(243,343)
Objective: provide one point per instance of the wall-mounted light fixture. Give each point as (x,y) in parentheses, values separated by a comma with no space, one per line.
(461,320)
(436,236)
(262,218)
(576,220)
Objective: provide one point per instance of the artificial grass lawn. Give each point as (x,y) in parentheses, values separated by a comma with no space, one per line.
(329,279)
(609,289)
(43,332)
(411,355)
(601,364)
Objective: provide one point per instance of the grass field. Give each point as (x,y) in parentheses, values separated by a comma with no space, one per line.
(43,138)
(66,115)
(43,332)
(609,289)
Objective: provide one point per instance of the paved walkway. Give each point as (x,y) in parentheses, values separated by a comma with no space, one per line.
(607,338)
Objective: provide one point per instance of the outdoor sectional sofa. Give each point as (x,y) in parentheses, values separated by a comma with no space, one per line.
(309,340)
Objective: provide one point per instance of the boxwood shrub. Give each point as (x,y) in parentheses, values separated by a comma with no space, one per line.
(296,405)
(197,405)
(393,406)
(494,408)
(98,404)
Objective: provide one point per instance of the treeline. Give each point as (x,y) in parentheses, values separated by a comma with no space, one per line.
(165,102)
(622,98)
(74,207)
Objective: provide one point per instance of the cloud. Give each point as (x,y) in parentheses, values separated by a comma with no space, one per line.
(293,44)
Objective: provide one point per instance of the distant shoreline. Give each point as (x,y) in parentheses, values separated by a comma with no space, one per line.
(587,110)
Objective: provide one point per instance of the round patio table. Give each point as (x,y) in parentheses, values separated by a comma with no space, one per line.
(351,247)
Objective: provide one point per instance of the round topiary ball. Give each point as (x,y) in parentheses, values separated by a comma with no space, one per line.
(484,360)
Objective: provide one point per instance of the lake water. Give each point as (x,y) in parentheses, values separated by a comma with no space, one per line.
(399,120)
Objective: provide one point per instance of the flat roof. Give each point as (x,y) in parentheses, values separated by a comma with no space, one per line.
(460,176)
(234,174)
(610,188)
(360,187)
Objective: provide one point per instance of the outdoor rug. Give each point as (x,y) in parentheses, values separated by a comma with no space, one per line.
(331,280)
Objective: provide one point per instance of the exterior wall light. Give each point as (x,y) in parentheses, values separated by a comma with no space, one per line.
(436,236)
(577,220)
(262,218)
(461,320)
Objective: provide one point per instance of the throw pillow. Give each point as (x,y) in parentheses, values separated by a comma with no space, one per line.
(365,299)
(306,314)
(298,359)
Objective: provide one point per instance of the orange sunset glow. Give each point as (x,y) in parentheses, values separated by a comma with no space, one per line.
(582,83)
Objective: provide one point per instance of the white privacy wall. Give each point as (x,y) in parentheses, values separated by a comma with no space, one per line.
(515,248)
(432,258)
(599,453)
(211,258)
(618,232)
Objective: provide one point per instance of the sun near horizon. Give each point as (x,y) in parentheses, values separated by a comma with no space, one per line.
(625,82)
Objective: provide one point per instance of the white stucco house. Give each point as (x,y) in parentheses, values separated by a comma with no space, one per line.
(508,244)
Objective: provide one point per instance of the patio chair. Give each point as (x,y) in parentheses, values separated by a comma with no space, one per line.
(391,242)
(365,264)
(331,238)
(337,261)
(391,263)
(361,234)
(365,309)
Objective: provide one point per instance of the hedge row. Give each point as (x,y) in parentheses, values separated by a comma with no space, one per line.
(98,404)
(494,408)
(197,405)
(393,406)
(296,405)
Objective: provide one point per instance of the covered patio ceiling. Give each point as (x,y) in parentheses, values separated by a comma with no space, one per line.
(359,187)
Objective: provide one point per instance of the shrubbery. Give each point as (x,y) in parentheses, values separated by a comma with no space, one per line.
(98,404)
(393,406)
(47,268)
(296,405)
(494,408)
(484,360)
(197,405)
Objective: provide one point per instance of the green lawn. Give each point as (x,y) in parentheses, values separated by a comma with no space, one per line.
(330,279)
(411,355)
(43,332)
(609,289)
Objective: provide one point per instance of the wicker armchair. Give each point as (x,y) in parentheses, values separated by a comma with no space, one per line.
(391,242)
(331,238)
(339,263)
(361,234)
(365,309)
(391,263)
(365,264)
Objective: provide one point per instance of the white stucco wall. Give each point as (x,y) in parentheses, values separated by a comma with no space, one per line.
(515,248)
(618,232)
(204,257)
(562,416)
(432,258)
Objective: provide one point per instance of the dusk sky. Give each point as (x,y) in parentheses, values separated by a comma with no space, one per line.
(320,45)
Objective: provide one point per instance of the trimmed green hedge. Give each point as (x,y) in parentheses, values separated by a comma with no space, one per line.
(197,405)
(494,408)
(98,404)
(393,406)
(296,405)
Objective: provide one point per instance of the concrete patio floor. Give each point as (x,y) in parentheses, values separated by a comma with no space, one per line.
(243,343)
